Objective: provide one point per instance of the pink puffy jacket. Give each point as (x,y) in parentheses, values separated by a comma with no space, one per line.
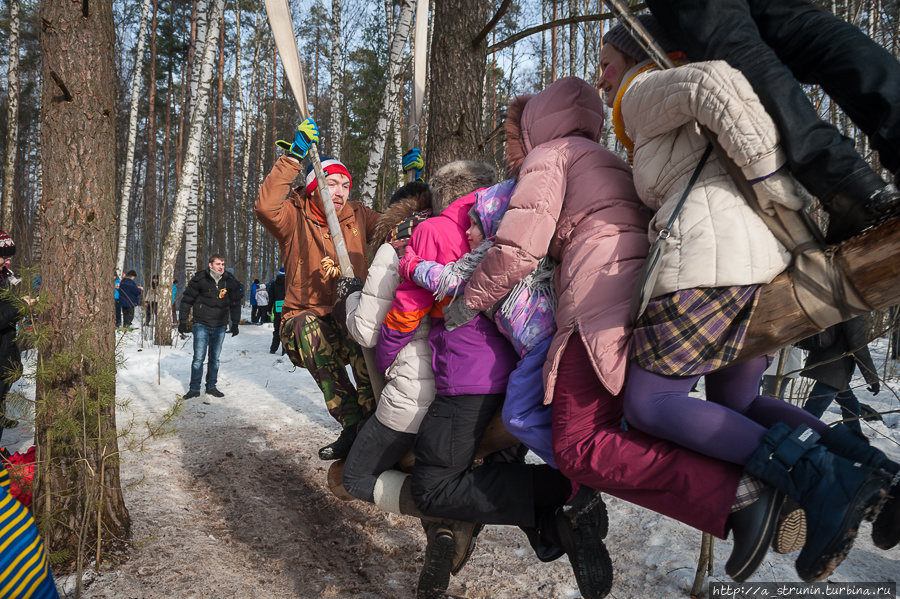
(576,201)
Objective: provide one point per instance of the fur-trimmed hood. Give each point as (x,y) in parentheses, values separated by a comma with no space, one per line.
(569,107)
(395,214)
(457,179)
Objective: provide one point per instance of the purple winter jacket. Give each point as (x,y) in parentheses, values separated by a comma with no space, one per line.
(470,360)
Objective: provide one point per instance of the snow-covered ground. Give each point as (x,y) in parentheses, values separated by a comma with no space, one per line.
(235,502)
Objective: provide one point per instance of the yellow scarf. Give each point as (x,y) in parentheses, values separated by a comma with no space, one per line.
(618,122)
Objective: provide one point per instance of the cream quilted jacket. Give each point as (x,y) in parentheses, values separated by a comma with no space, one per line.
(717,239)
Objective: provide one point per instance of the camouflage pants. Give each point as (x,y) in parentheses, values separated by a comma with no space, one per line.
(317,344)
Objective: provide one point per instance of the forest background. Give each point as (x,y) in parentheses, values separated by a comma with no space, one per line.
(135,79)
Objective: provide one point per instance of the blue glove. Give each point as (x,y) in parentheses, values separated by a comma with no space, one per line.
(413,161)
(307,134)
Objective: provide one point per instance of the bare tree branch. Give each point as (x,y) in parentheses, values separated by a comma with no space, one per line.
(557,23)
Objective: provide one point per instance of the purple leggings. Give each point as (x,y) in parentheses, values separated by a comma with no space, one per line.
(729,426)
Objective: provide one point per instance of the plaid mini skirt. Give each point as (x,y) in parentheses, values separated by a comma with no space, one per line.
(693,331)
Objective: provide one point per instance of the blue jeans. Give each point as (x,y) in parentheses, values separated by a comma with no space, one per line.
(212,338)
(778,43)
(821,397)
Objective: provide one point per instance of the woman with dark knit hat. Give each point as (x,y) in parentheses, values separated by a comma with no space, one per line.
(717,252)
(10,362)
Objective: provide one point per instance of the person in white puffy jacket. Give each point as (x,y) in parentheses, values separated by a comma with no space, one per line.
(718,254)
(385,438)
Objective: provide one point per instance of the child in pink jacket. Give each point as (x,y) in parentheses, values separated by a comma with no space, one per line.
(526,316)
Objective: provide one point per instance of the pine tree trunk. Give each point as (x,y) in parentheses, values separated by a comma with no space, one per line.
(334,133)
(379,137)
(175,234)
(457,70)
(12,120)
(77,487)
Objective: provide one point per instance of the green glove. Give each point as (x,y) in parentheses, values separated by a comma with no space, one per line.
(307,134)
(413,161)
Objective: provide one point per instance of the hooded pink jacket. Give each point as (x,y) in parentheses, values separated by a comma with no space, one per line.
(576,201)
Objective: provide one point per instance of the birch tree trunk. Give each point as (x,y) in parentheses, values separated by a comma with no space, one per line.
(379,137)
(193,216)
(77,488)
(132,140)
(12,120)
(334,136)
(175,234)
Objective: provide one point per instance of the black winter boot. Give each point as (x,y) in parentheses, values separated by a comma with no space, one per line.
(752,529)
(435,576)
(865,202)
(842,440)
(340,448)
(836,494)
(579,527)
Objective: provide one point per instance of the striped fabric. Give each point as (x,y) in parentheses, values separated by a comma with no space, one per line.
(693,331)
(24,572)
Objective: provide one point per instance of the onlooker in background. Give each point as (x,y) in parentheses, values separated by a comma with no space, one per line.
(119,277)
(254,306)
(10,361)
(262,304)
(129,297)
(151,299)
(793,362)
(833,356)
(277,292)
(174,293)
(895,331)
(215,296)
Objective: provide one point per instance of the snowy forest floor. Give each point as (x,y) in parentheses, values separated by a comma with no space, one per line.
(235,503)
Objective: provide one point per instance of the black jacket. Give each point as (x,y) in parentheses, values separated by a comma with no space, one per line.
(830,365)
(9,316)
(276,293)
(212,303)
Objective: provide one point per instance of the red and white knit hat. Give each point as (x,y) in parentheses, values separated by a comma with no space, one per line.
(331,167)
(7,247)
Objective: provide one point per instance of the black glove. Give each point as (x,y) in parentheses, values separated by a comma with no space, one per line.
(874,388)
(457,313)
(234,329)
(347,285)
(182,328)
(339,315)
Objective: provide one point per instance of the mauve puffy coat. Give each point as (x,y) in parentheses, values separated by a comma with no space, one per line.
(574,200)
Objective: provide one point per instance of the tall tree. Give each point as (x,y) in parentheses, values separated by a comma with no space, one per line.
(334,137)
(132,137)
(78,491)
(12,119)
(391,89)
(457,70)
(175,235)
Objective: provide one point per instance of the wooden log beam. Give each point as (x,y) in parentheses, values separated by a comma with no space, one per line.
(870,262)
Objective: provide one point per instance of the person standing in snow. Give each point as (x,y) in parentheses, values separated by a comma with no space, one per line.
(261,300)
(214,295)
(129,297)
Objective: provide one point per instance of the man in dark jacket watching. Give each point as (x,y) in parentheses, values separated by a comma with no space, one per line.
(215,296)
(833,357)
